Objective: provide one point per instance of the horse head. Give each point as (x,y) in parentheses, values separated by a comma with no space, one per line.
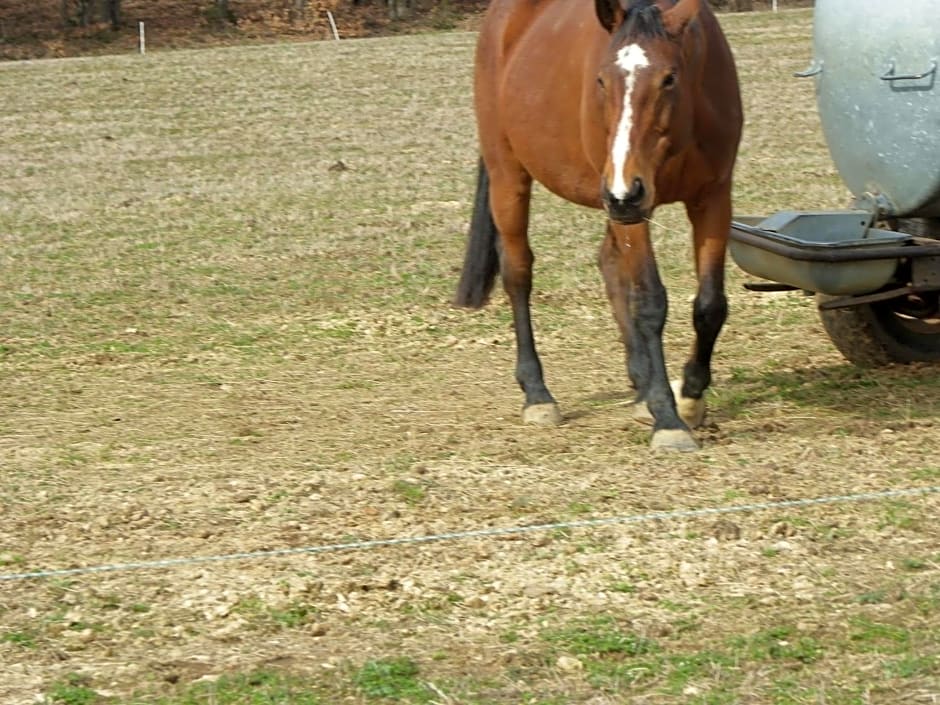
(646,84)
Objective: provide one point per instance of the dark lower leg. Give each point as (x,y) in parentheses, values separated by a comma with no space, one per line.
(711,219)
(610,262)
(649,318)
(510,189)
(528,367)
(708,316)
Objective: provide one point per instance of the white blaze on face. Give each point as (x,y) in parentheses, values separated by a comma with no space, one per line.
(631,59)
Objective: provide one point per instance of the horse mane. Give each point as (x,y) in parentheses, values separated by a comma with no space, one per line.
(642,18)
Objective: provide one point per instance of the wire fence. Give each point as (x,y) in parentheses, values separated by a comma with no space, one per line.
(475,534)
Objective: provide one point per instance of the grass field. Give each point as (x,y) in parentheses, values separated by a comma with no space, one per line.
(224,327)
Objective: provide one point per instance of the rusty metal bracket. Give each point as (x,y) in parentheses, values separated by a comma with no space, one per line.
(847,301)
(925,273)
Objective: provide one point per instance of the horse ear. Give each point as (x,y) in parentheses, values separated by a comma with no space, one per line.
(609,13)
(677,18)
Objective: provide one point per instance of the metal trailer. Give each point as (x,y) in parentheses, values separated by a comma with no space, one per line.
(875,268)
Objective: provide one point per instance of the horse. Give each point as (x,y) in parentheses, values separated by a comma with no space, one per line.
(621,107)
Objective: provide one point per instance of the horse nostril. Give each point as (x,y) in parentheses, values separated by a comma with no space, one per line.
(637,191)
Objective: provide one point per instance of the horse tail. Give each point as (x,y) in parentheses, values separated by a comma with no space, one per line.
(481,261)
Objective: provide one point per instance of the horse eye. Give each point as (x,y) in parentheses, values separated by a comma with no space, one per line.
(600,82)
(670,80)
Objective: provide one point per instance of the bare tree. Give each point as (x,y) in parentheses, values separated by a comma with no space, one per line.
(77,12)
(399,9)
(114,13)
(297,10)
(83,13)
(220,13)
(733,5)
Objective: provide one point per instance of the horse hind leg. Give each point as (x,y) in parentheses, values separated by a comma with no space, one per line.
(510,193)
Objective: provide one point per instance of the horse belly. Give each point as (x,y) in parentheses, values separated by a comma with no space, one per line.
(541,97)
(559,168)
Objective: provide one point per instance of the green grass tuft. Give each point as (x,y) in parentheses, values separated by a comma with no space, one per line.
(392,679)
(600,636)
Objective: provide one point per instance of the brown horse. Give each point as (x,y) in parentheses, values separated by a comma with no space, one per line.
(623,106)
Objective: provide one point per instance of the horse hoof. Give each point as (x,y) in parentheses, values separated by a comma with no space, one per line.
(542,415)
(641,413)
(673,439)
(692,411)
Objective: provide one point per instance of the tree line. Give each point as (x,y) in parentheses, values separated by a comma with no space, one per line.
(84,13)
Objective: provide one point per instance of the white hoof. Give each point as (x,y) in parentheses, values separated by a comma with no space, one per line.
(671,439)
(692,411)
(542,415)
(641,413)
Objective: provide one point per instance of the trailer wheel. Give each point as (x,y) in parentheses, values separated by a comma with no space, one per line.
(878,334)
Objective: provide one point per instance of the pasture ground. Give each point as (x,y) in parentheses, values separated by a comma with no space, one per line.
(224,327)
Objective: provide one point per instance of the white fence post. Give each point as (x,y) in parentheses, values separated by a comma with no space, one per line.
(332,24)
(141,38)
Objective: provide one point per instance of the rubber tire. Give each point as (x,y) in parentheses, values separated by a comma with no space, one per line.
(873,335)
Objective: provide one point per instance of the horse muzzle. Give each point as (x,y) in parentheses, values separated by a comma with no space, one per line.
(627,216)
(627,209)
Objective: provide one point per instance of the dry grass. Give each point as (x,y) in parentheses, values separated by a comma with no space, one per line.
(215,338)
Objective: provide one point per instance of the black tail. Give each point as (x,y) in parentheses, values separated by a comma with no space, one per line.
(481,261)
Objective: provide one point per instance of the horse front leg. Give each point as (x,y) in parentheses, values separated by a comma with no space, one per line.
(610,263)
(711,222)
(640,305)
(510,193)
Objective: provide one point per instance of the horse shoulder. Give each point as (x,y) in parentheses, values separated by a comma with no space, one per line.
(507,21)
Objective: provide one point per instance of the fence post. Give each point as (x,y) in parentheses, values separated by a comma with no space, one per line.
(332,24)
(141,38)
